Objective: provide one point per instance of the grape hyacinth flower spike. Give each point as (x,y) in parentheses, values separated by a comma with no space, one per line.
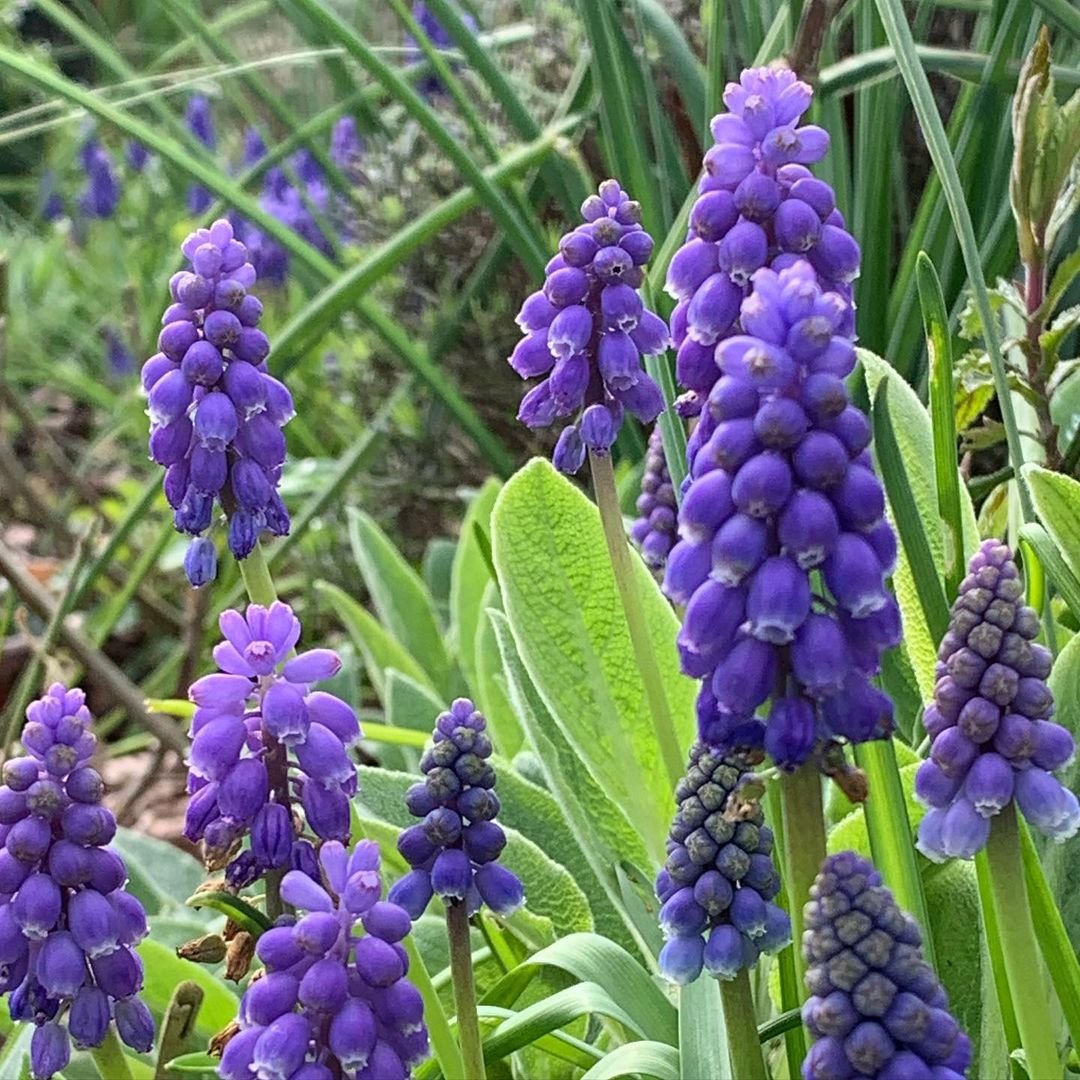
(876,1007)
(994,736)
(261,735)
(454,852)
(654,531)
(587,330)
(216,413)
(758,206)
(785,546)
(719,881)
(102,193)
(68,926)
(332,1002)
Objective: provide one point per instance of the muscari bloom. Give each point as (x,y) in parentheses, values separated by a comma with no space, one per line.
(138,157)
(784,547)
(332,1002)
(215,411)
(68,926)
(102,192)
(587,330)
(262,737)
(50,201)
(346,145)
(120,359)
(718,882)
(200,122)
(430,85)
(654,531)
(994,737)
(758,205)
(454,852)
(876,1007)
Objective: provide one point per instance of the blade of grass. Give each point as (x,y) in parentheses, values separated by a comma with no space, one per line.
(1066,15)
(943,416)
(922,98)
(1064,580)
(524,235)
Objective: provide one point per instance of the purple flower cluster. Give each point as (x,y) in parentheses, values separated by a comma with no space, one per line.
(101,195)
(785,546)
(655,531)
(759,205)
(332,1003)
(876,1007)
(258,719)
(215,411)
(200,122)
(68,927)
(587,330)
(718,881)
(454,852)
(430,85)
(994,737)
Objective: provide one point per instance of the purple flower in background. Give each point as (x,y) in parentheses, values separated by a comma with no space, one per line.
(346,145)
(654,531)
(430,85)
(215,411)
(261,736)
(784,547)
(587,330)
(102,192)
(759,205)
(138,157)
(454,852)
(718,882)
(333,1001)
(68,926)
(50,201)
(200,122)
(120,358)
(876,1006)
(994,737)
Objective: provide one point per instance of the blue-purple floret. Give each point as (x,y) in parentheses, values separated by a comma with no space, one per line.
(994,736)
(587,330)
(200,121)
(718,882)
(216,413)
(655,529)
(876,1007)
(258,720)
(335,1000)
(68,926)
(430,85)
(454,852)
(784,545)
(101,195)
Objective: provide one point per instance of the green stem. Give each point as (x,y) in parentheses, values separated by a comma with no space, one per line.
(468,1025)
(740,1022)
(804,848)
(443,1044)
(993,949)
(260,589)
(607,499)
(110,1059)
(1020,949)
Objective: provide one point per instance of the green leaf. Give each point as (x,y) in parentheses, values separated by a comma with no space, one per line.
(602,829)
(436,571)
(703,1044)
(550,889)
(198,1065)
(1049,555)
(164,970)
(910,473)
(507,733)
(637,1059)
(410,704)
(401,599)
(536,814)
(469,579)
(159,874)
(379,648)
(1057,502)
(562,604)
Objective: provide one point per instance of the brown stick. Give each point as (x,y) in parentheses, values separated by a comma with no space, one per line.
(126,693)
(810,36)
